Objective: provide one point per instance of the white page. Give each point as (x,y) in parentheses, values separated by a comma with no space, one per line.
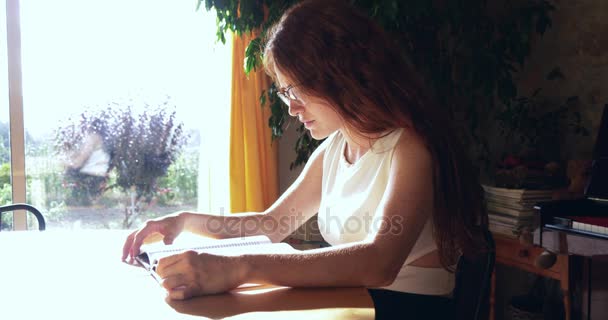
(151,253)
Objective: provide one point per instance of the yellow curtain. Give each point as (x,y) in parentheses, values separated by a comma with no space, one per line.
(253,159)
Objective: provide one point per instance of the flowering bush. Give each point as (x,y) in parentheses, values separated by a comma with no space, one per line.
(145,145)
(141,144)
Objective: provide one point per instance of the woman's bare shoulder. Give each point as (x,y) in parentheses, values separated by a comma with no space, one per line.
(412,146)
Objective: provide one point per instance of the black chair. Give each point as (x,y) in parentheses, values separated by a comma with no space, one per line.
(473,283)
(29,208)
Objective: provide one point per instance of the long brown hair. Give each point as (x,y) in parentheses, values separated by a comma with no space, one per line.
(340,54)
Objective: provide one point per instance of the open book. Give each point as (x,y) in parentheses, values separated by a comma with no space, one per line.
(151,253)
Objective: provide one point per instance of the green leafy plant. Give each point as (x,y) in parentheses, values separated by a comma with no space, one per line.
(4,140)
(533,130)
(56,211)
(6,197)
(531,125)
(180,185)
(5,174)
(468,51)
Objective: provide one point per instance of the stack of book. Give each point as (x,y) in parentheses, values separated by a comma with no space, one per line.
(511,211)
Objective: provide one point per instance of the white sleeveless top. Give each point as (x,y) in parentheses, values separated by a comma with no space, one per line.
(348,210)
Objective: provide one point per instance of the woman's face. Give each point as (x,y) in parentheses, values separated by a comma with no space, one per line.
(315,113)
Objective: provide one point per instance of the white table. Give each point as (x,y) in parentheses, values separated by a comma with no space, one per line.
(79,275)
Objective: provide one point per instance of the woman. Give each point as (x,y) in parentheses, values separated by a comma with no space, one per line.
(396,198)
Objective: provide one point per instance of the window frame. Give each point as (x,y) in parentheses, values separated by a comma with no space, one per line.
(16,133)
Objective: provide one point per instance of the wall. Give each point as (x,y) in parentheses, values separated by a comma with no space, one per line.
(577,44)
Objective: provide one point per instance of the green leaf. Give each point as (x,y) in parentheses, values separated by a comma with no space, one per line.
(252,55)
(263,98)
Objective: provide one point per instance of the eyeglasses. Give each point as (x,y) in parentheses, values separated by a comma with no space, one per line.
(288,96)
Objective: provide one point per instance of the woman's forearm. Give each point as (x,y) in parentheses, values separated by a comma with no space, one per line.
(227,226)
(349,265)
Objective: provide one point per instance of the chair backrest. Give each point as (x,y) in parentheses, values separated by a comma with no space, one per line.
(27,207)
(473,283)
(597,186)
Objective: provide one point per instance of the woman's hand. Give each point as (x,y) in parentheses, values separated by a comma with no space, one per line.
(191,274)
(168,226)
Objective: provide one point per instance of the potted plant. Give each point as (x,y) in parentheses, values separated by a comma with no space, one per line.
(533,131)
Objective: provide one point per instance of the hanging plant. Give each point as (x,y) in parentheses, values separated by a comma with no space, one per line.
(467,50)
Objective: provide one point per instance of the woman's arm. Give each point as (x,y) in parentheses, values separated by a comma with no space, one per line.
(297,204)
(404,208)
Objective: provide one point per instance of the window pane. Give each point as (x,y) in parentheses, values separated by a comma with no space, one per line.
(119,97)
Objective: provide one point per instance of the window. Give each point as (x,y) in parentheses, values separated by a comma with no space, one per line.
(127,64)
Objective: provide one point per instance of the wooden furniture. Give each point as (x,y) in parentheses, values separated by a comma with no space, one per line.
(79,275)
(581,249)
(511,252)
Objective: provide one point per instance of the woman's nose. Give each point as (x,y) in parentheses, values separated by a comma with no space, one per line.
(295,108)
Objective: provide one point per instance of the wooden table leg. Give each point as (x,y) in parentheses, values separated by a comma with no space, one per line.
(564,283)
(566,292)
(493,296)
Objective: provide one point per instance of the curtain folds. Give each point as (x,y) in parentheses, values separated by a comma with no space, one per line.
(253,159)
